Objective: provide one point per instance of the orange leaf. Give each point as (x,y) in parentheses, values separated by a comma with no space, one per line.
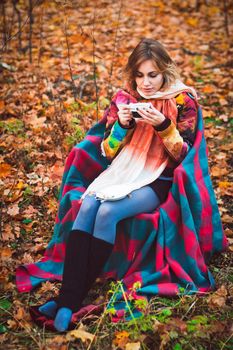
(6,253)
(121,339)
(192,22)
(208,88)
(2,106)
(218,172)
(5,169)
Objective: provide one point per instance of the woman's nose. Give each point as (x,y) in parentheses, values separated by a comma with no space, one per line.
(146,81)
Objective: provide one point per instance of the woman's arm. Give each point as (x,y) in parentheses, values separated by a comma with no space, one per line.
(116,134)
(178,139)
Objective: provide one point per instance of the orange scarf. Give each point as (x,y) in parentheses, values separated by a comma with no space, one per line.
(139,163)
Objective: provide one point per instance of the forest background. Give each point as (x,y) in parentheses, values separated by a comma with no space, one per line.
(61,61)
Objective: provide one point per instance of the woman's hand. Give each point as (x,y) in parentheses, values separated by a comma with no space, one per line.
(124,114)
(151,116)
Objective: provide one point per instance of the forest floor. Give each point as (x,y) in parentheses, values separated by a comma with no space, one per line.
(50,96)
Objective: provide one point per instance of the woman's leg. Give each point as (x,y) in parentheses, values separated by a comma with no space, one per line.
(84,222)
(143,200)
(87,213)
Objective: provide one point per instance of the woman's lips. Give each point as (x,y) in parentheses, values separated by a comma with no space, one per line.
(147,90)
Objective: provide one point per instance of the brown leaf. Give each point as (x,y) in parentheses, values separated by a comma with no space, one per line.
(178,323)
(13,210)
(80,333)
(57,343)
(29,211)
(5,253)
(12,324)
(218,172)
(228,232)
(218,299)
(57,171)
(20,313)
(48,287)
(7,234)
(227,219)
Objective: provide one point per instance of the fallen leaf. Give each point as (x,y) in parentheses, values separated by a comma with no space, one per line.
(30,211)
(121,339)
(12,324)
(5,253)
(133,346)
(7,234)
(228,232)
(13,210)
(57,171)
(192,21)
(227,219)
(5,169)
(80,334)
(208,88)
(218,298)
(223,117)
(218,172)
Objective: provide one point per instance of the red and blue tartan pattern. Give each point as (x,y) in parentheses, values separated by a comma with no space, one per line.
(166,251)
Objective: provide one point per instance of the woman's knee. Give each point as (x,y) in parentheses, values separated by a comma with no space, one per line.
(106,212)
(88,205)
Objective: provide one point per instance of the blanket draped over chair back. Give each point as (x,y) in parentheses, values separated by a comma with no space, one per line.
(167,251)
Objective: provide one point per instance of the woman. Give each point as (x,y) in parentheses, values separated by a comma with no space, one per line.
(143,149)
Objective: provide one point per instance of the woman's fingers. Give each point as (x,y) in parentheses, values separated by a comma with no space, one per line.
(153,117)
(124,115)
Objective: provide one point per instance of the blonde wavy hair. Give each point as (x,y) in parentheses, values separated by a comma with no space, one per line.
(150,49)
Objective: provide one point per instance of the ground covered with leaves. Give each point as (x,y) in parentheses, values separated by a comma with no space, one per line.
(56,79)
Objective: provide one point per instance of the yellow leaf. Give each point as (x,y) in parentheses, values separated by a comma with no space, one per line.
(224,184)
(20,185)
(133,346)
(213,10)
(192,21)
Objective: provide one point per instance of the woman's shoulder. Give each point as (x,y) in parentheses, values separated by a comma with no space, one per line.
(123,96)
(186,98)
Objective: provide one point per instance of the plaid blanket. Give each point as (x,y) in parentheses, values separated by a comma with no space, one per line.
(166,252)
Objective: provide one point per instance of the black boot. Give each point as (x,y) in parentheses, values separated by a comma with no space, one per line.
(99,253)
(75,271)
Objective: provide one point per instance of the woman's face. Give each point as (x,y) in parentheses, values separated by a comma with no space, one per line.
(147,78)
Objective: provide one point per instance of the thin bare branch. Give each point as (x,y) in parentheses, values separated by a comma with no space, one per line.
(22,26)
(14,3)
(94,64)
(114,49)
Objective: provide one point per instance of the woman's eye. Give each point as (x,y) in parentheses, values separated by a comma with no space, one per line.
(139,75)
(153,75)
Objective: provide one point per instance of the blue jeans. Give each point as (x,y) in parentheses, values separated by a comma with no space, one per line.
(100,219)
